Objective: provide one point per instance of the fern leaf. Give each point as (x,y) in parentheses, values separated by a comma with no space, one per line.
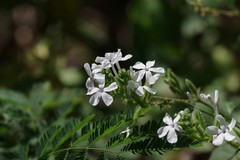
(46,139)
(106,126)
(55,136)
(120,158)
(102,156)
(155,144)
(144,140)
(82,155)
(69,129)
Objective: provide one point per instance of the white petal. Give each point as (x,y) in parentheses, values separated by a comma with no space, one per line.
(149,64)
(92,91)
(139,65)
(94,100)
(167,119)
(172,136)
(140,91)
(176,119)
(156,76)
(140,75)
(110,56)
(107,99)
(150,90)
(218,140)
(89,84)
(133,85)
(157,70)
(178,128)
(232,124)
(97,68)
(222,121)
(100,59)
(88,69)
(216,97)
(212,130)
(111,87)
(99,77)
(149,78)
(228,137)
(128,56)
(126,131)
(163,131)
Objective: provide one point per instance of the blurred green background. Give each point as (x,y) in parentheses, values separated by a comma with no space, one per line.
(50,40)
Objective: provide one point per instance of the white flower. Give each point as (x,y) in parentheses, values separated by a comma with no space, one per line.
(222,133)
(101,92)
(99,78)
(112,58)
(147,71)
(139,89)
(96,68)
(170,129)
(119,57)
(127,131)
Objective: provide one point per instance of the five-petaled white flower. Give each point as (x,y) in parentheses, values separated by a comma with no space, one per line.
(222,133)
(99,78)
(170,129)
(112,58)
(147,71)
(139,89)
(101,92)
(127,131)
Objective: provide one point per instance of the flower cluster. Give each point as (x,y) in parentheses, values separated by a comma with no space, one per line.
(97,79)
(221,133)
(150,78)
(107,79)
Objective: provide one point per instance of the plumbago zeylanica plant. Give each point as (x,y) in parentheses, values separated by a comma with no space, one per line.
(199,118)
(187,128)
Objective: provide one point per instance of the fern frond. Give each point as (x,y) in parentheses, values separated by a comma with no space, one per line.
(102,156)
(45,141)
(69,129)
(138,132)
(155,144)
(120,158)
(55,136)
(82,155)
(106,126)
(144,140)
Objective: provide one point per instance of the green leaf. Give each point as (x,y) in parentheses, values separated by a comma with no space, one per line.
(45,141)
(12,97)
(69,129)
(106,126)
(191,87)
(102,156)
(55,136)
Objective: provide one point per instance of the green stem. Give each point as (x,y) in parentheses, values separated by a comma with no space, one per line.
(174,99)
